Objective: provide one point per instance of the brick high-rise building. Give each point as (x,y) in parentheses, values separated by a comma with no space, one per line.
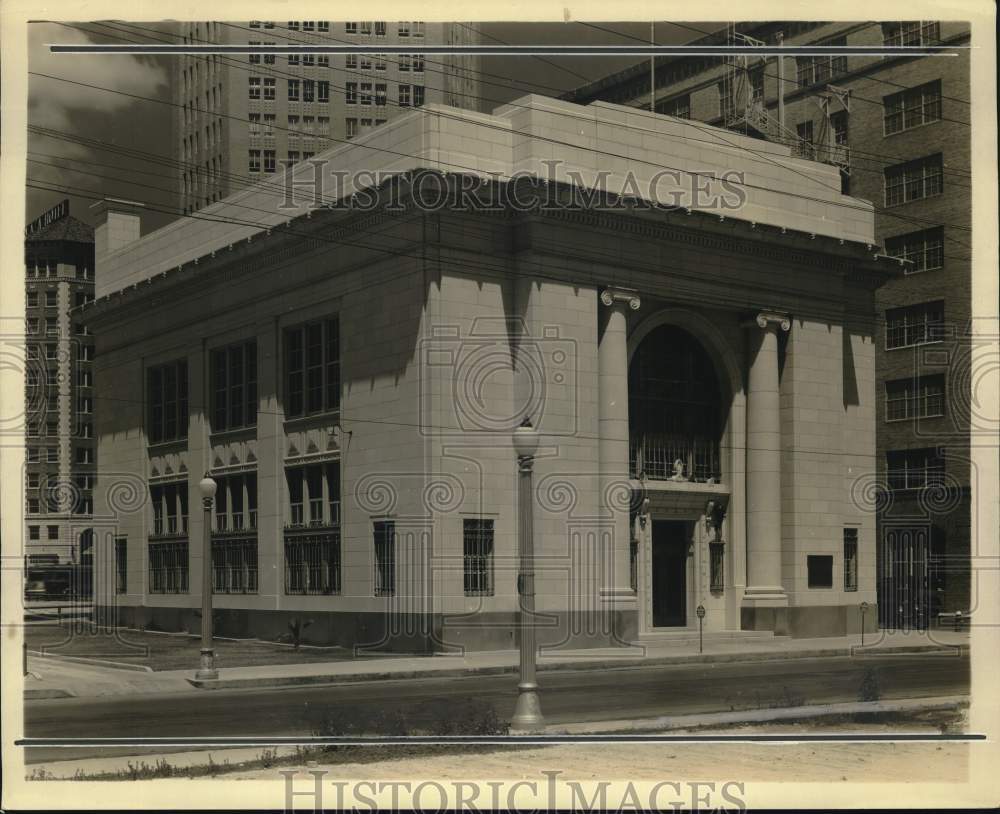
(61,450)
(899,129)
(237,118)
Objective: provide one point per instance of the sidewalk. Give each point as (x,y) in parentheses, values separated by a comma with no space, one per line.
(52,675)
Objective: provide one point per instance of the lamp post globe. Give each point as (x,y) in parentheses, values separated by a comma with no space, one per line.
(208,487)
(525,439)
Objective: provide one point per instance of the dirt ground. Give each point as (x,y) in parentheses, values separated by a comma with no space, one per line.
(849,762)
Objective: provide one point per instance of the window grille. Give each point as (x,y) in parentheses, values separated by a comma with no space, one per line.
(312,563)
(478,557)
(385,558)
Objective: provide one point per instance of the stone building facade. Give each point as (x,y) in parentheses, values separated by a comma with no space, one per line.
(898,129)
(701,373)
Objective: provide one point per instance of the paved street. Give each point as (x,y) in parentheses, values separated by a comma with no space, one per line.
(420,704)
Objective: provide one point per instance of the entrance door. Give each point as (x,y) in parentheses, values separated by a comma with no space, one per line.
(669,589)
(904,597)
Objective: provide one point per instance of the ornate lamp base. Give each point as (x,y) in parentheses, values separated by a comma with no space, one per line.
(527,718)
(207,671)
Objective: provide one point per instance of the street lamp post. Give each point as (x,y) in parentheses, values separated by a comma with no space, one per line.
(700,612)
(528,711)
(207,671)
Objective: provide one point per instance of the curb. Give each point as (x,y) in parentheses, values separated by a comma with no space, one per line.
(668,723)
(596,664)
(113,665)
(39,694)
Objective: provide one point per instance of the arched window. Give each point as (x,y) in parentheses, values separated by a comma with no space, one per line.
(675,409)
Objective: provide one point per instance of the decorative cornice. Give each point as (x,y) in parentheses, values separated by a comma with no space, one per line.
(609,296)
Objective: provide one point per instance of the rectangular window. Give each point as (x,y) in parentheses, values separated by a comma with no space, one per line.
(403,30)
(924,249)
(380,94)
(366,28)
(404,95)
(380,28)
(380,62)
(293,59)
(914,180)
(385,558)
(912,107)
(312,377)
(34,533)
(168,568)
(812,70)
(351,93)
(418,63)
(351,126)
(269,160)
(366,62)
(323,90)
(254,59)
(914,325)
(351,61)
(121,565)
(366,93)
(850,559)
(312,563)
(268,59)
(32,301)
(820,570)
(418,95)
(313,496)
(914,32)
(914,468)
(254,119)
(253,160)
(477,537)
(53,532)
(679,106)
(167,399)
(308,90)
(293,157)
(293,90)
(234,565)
(234,387)
(350,28)
(323,25)
(254,87)
(922,397)
(269,86)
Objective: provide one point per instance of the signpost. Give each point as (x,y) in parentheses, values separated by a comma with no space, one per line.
(864,610)
(700,610)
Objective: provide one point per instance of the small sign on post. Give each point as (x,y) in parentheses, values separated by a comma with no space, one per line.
(864,610)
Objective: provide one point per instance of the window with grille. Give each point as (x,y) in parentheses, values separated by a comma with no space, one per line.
(914,180)
(121,565)
(169,505)
(477,543)
(717,576)
(914,325)
(313,495)
(234,387)
(924,249)
(234,565)
(915,468)
(312,378)
(922,397)
(168,568)
(312,563)
(385,558)
(912,107)
(913,32)
(168,402)
(850,559)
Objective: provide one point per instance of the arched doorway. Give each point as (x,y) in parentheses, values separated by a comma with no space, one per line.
(678,411)
(675,409)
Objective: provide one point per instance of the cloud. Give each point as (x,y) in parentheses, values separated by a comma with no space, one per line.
(51,103)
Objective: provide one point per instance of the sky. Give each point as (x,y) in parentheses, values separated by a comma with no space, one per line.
(118,144)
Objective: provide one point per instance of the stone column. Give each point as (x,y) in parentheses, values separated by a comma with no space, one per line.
(612,359)
(765,594)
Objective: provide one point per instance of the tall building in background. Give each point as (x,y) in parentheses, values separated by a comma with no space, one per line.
(899,130)
(238,118)
(60,447)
